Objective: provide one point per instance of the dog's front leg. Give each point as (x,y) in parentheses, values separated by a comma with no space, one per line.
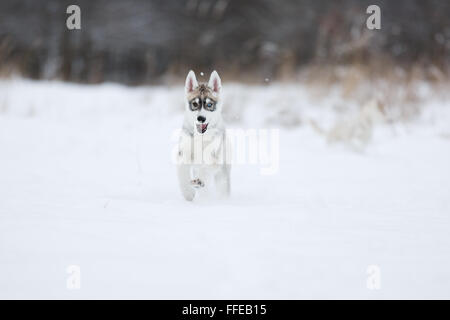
(197,180)
(184,179)
(184,166)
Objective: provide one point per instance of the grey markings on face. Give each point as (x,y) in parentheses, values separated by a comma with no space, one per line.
(195,104)
(209,105)
(202,98)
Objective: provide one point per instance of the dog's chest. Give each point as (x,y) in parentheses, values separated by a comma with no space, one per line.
(204,149)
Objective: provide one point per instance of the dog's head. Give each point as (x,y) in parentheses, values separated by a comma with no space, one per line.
(203,101)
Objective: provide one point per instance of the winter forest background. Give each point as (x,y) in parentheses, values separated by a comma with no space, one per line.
(358,205)
(148,42)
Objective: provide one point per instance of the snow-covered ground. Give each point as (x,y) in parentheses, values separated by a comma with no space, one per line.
(86,179)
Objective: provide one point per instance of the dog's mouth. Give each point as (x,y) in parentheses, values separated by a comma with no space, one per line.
(201,127)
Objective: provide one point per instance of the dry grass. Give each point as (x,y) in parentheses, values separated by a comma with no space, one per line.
(399,91)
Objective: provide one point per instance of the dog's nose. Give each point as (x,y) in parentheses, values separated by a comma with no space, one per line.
(201,119)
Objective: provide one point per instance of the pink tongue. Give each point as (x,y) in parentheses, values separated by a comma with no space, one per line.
(203,126)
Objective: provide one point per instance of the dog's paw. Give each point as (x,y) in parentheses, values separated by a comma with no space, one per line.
(197,183)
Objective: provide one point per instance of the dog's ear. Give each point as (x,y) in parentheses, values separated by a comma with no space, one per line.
(191,82)
(214,82)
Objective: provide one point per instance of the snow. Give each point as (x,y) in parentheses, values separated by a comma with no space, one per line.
(87,180)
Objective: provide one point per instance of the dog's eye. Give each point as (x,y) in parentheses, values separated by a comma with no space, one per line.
(210,106)
(194,105)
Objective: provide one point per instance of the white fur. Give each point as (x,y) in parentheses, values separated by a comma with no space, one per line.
(202,157)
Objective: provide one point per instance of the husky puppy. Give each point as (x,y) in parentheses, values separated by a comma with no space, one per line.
(202,159)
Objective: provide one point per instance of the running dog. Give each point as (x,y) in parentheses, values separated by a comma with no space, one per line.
(202,157)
